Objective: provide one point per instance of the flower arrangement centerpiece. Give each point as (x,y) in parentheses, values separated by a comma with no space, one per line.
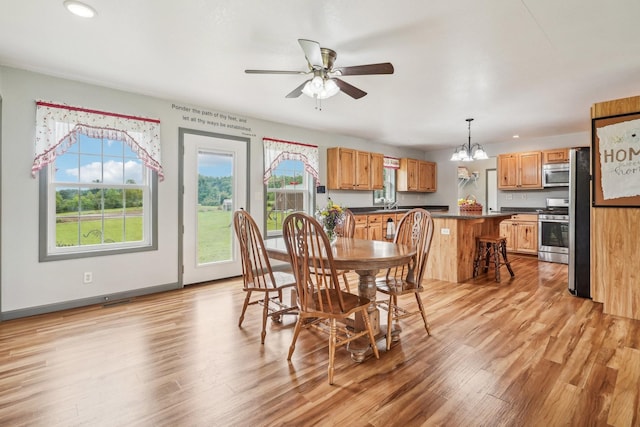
(330,217)
(469,205)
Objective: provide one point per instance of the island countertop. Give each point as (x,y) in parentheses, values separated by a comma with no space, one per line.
(501,215)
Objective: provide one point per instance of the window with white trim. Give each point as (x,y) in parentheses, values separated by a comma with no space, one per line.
(290,177)
(98,195)
(289,189)
(387,195)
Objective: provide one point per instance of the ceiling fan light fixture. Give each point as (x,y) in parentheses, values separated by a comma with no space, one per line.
(468,152)
(79,9)
(320,88)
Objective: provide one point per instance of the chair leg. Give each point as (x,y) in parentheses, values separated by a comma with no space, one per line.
(478,258)
(424,315)
(496,260)
(372,339)
(244,307)
(332,347)
(389,322)
(503,249)
(296,332)
(487,256)
(265,314)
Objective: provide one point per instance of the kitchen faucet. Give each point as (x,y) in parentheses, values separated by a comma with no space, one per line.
(391,205)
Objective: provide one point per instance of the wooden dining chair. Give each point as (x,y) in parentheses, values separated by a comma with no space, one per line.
(258,275)
(415,229)
(346,228)
(320,298)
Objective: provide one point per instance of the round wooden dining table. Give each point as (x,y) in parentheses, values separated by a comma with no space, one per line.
(366,258)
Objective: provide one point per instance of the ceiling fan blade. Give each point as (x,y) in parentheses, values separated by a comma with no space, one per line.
(274,72)
(361,70)
(350,90)
(312,53)
(297,91)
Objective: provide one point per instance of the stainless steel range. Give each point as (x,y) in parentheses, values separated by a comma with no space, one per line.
(553,231)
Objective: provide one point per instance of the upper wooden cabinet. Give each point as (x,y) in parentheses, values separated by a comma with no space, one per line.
(377,171)
(559,155)
(416,175)
(520,171)
(349,169)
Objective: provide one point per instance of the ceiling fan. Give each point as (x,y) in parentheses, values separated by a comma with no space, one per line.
(325,82)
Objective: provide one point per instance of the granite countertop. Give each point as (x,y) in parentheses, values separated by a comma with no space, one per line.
(471,216)
(399,209)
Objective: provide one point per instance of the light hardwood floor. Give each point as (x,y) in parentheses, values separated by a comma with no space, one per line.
(520,353)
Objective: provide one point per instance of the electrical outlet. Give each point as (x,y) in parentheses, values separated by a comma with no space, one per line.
(444,231)
(508,196)
(87,277)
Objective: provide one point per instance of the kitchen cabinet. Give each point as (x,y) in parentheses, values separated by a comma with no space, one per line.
(426,176)
(559,155)
(371,227)
(375,231)
(377,171)
(416,175)
(361,229)
(521,232)
(520,171)
(349,169)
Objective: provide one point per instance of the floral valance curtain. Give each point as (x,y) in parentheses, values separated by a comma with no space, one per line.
(276,150)
(58,127)
(391,162)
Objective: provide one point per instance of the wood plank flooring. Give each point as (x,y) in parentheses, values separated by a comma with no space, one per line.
(520,353)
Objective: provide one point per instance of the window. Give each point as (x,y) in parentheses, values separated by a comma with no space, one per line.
(98,193)
(289,189)
(290,175)
(387,195)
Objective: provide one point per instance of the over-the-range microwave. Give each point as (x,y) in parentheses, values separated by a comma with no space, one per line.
(555,175)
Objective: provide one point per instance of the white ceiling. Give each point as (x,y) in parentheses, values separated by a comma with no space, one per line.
(528,67)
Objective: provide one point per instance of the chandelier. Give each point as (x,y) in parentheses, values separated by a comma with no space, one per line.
(468,152)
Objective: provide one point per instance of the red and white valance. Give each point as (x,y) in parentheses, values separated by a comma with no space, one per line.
(58,127)
(391,162)
(277,150)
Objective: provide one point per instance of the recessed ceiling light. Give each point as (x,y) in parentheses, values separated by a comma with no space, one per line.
(516,136)
(80,9)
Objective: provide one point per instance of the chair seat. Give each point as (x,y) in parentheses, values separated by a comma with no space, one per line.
(397,286)
(351,303)
(282,280)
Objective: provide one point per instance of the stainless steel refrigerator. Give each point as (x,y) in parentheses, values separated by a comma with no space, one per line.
(579,222)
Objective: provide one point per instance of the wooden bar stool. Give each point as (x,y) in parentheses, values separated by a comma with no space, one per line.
(488,247)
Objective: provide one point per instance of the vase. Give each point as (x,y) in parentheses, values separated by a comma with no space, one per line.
(331,235)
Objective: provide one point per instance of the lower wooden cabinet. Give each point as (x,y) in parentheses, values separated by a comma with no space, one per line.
(371,227)
(521,232)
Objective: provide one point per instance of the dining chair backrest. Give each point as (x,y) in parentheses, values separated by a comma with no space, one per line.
(415,229)
(311,259)
(347,227)
(256,268)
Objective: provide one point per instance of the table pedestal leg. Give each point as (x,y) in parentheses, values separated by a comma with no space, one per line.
(366,289)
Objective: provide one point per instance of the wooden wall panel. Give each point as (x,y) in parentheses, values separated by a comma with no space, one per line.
(615,242)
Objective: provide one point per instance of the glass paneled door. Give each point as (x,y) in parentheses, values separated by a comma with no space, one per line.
(214,176)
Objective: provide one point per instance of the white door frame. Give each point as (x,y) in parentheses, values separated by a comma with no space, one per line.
(241,201)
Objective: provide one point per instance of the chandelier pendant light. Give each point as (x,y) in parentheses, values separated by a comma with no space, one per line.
(468,152)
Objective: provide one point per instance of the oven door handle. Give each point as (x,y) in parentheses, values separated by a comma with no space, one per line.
(562,221)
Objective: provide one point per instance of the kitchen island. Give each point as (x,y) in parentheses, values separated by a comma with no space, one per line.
(453,245)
